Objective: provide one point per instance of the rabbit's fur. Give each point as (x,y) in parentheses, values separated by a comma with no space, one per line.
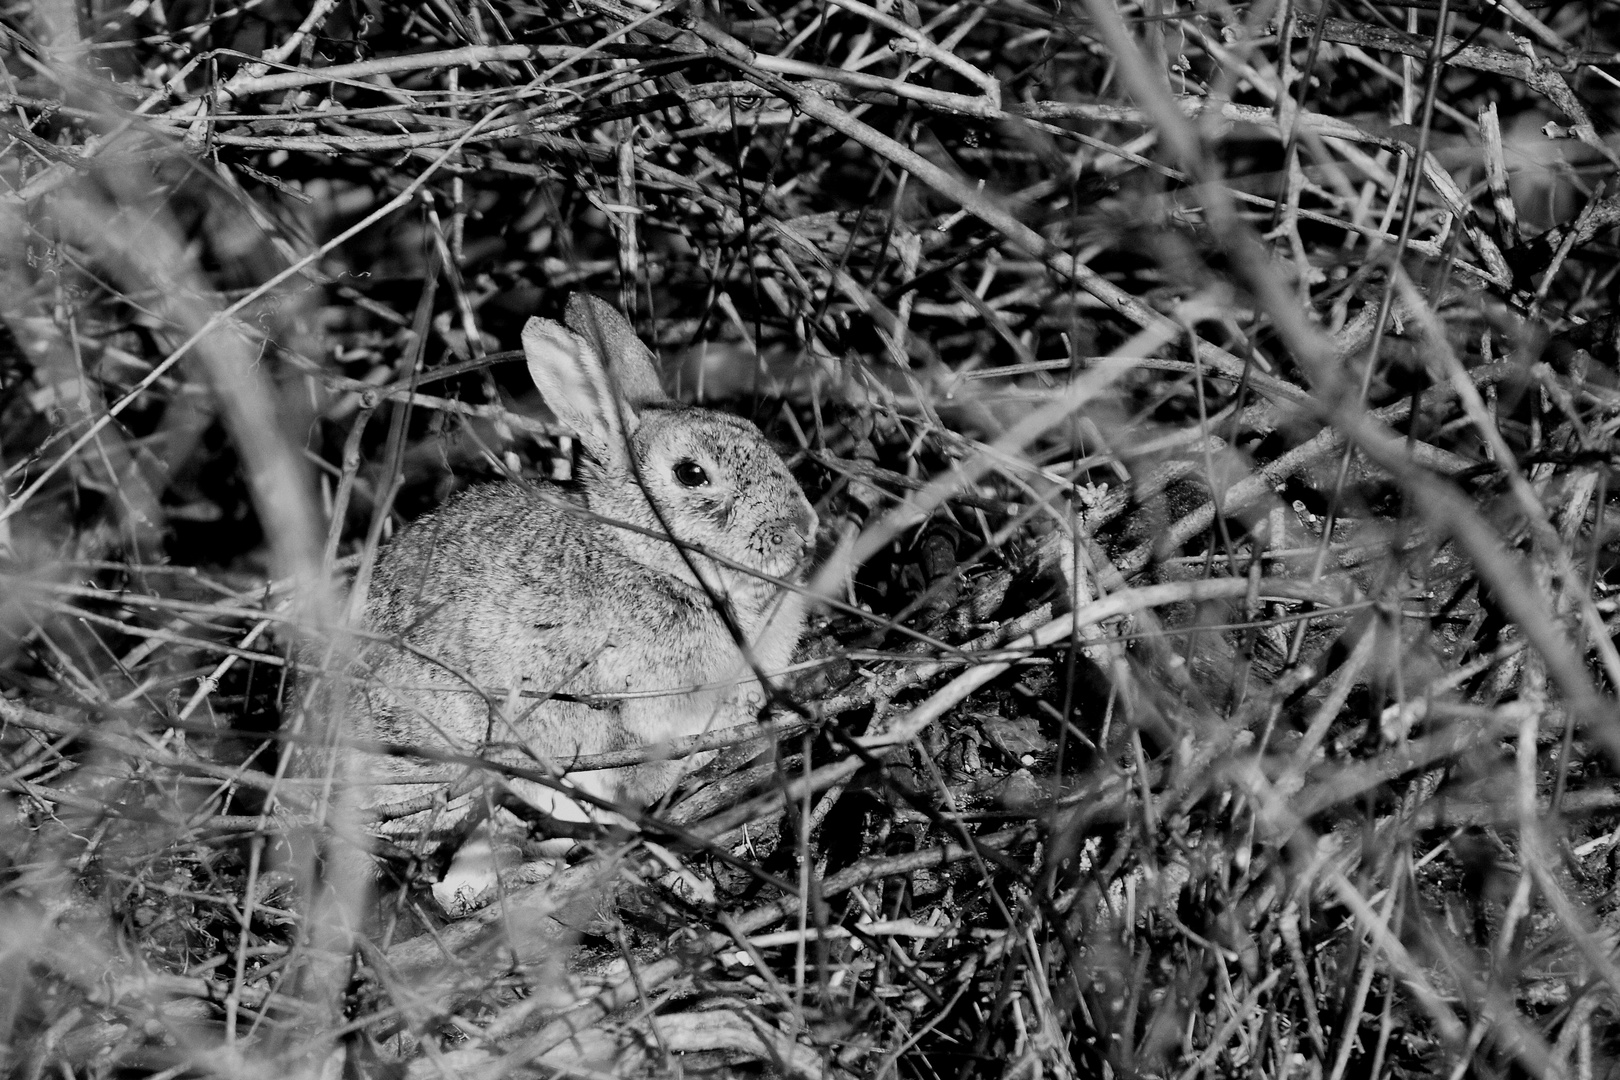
(512,591)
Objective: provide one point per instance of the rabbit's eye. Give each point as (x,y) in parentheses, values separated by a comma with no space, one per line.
(691,474)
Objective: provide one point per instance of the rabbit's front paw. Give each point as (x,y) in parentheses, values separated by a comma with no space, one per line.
(471,881)
(489,860)
(460,898)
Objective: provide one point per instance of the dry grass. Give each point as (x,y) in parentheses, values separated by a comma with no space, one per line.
(1210,412)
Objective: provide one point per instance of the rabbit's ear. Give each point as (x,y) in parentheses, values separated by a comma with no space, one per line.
(631,364)
(571,378)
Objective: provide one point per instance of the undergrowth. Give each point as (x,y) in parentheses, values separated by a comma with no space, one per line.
(1209,411)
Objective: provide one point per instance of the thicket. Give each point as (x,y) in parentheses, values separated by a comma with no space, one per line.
(1210,411)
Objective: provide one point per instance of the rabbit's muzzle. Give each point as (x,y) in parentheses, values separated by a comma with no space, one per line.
(805,526)
(786,539)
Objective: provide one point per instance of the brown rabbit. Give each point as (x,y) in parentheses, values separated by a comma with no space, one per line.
(511,592)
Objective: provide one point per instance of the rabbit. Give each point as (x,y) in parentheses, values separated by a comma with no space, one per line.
(512,592)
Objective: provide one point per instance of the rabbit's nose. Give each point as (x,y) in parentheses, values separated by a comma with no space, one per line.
(806,524)
(796,532)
